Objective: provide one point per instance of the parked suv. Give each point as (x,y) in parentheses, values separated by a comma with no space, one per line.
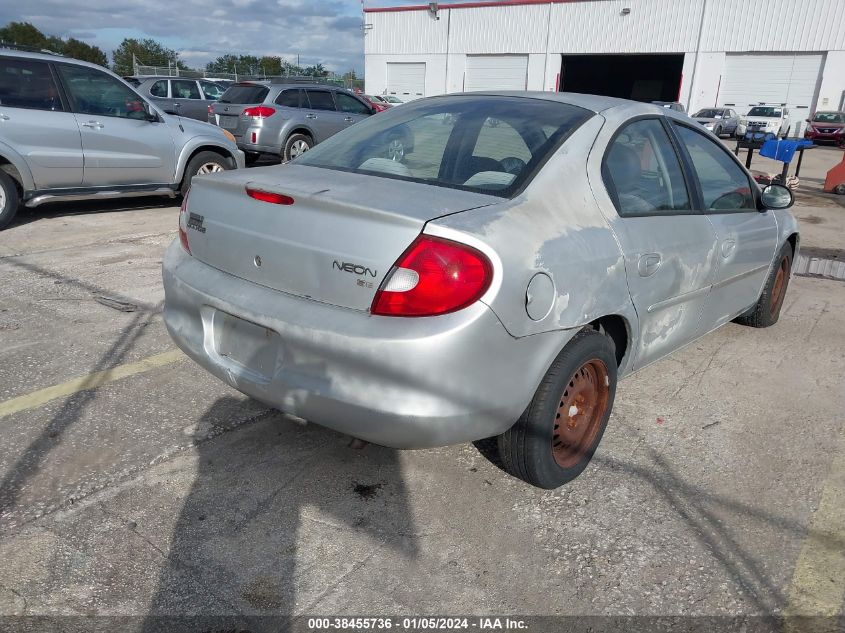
(285,119)
(71,130)
(181,95)
(769,119)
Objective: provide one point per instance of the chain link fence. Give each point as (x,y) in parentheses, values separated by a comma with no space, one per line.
(172,71)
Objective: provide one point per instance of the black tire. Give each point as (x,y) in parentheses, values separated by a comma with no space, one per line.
(9,200)
(296,140)
(766,311)
(718,132)
(527,449)
(201,161)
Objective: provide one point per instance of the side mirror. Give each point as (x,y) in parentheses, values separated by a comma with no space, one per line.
(776,197)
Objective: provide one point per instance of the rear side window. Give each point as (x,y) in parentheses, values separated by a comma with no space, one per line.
(724,185)
(211,91)
(289,98)
(184,89)
(28,84)
(642,172)
(159,88)
(245,93)
(320,99)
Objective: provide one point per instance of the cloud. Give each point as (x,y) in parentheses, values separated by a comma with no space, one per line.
(327,31)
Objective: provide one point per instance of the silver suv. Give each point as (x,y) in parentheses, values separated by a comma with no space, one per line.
(285,119)
(70,130)
(185,96)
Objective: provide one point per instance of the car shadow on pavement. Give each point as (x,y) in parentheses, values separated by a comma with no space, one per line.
(262,533)
(26,215)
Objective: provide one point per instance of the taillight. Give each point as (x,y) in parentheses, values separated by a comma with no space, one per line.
(183,223)
(434,276)
(259,112)
(210,109)
(269,196)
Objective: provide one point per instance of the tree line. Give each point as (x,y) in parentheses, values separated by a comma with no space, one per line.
(150,52)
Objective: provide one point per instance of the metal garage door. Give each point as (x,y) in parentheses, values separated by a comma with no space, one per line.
(406,80)
(496,72)
(789,79)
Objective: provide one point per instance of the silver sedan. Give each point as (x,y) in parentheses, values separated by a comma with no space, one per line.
(497,280)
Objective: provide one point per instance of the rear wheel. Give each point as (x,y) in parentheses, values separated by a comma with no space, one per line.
(9,199)
(555,438)
(296,145)
(766,311)
(204,163)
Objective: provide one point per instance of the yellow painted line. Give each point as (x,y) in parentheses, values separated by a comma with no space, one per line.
(90,381)
(818,581)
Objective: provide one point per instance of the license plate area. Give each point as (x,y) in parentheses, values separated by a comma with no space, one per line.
(252,348)
(228,122)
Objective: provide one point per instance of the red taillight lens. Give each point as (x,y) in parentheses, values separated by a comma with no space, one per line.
(210,109)
(259,112)
(269,196)
(183,223)
(434,276)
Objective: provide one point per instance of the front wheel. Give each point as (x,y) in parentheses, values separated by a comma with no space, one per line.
(204,163)
(554,440)
(9,199)
(766,311)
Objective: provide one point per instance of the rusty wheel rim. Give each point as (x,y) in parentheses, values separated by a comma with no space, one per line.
(579,416)
(779,286)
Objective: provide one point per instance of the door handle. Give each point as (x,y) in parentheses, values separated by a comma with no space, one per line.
(348,119)
(310,115)
(648,264)
(728,247)
(94,125)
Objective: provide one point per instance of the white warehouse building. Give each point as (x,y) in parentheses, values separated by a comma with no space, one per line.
(703,53)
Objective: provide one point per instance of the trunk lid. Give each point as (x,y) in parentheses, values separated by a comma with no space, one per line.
(334,244)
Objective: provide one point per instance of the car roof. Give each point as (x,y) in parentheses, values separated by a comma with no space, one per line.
(47,57)
(594,103)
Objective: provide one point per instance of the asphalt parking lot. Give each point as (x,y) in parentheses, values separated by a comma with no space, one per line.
(133,482)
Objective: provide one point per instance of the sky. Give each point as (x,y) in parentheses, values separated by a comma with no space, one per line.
(327,31)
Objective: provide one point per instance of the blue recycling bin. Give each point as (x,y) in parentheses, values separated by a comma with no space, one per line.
(783,151)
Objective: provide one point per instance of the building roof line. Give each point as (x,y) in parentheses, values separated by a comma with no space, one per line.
(468,5)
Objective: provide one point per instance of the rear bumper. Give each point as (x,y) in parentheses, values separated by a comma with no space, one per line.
(404,383)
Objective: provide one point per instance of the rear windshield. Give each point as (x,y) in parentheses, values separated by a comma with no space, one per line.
(765,111)
(244,93)
(487,144)
(829,117)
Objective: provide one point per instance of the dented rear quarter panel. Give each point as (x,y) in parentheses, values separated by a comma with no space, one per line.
(555,227)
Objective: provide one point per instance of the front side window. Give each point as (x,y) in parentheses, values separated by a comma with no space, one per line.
(351,105)
(320,99)
(159,88)
(94,92)
(184,89)
(487,144)
(724,185)
(28,84)
(211,91)
(642,172)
